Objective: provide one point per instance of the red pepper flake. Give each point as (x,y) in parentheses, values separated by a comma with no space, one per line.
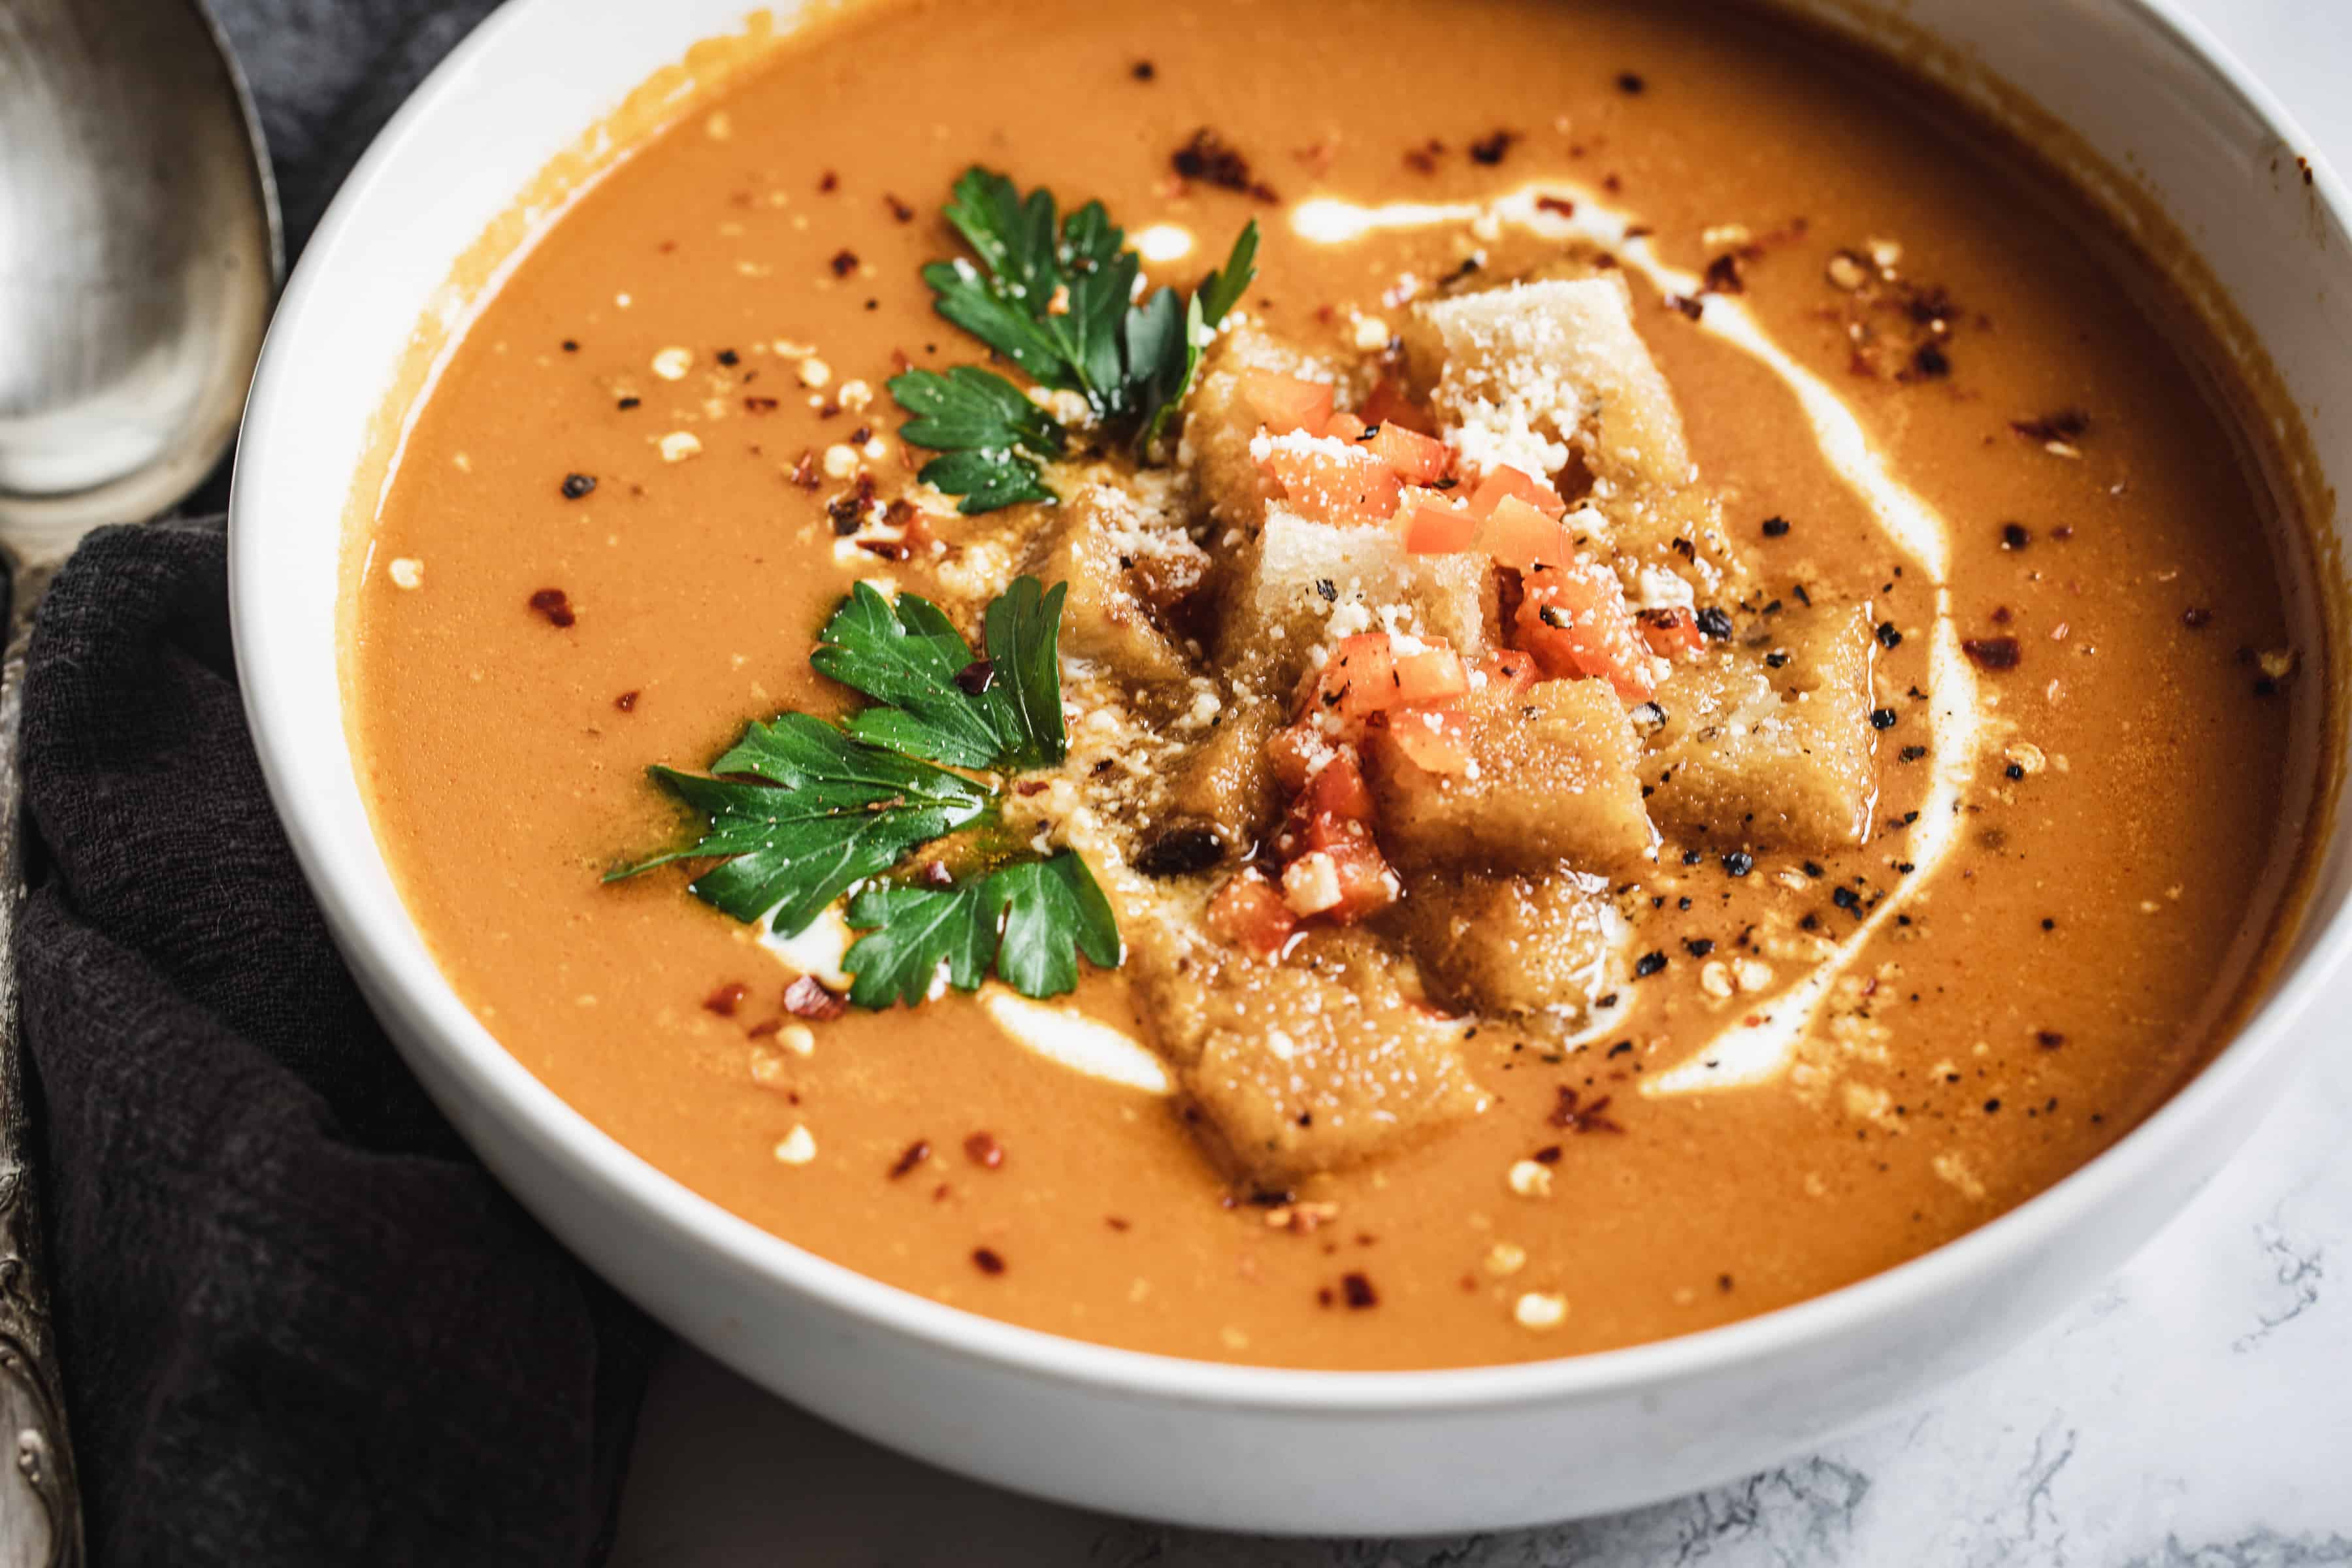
(1631,84)
(1116,1222)
(808,997)
(887,549)
(729,358)
(1559,205)
(2063,426)
(1207,158)
(1575,1116)
(898,210)
(1547,1155)
(983,1150)
(935,874)
(1492,150)
(1992,653)
(844,263)
(915,1154)
(1687,304)
(726,998)
(626,701)
(577,486)
(829,181)
(1144,70)
(2049,1039)
(1422,160)
(759,404)
(976,677)
(1359,1292)
(987,1261)
(555,604)
(2015,536)
(1931,362)
(804,472)
(1722,275)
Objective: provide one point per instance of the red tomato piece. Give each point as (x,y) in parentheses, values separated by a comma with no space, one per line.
(1672,633)
(1361,678)
(1249,912)
(1435,529)
(1506,481)
(1337,792)
(1573,619)
(1418,459)
(1286,403)
(1517,535)
(1336,483)
(1366,886)
(1431,737)
(1434,675)
(1510,669)
(1345,427)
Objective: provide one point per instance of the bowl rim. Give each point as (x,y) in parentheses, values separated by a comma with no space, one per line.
(610,1175)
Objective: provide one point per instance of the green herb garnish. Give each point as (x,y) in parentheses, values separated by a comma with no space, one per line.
(799,812)
(1053,298)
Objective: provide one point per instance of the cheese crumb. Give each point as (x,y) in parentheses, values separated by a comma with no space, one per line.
(406,572)
(798,1147)
(678,446)
(814,372)
(1531,1179)
(797,1038)
(856,395)
(840,460)
(1505,1259)
(671,364)
(1541,1310)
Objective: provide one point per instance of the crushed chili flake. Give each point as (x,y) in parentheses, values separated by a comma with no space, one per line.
(1359,1292)
(759,404)
(983,1150)
(804,472)
(1207,158)
(1776,526)
(1689,305)
(1722,275)
(576,485)
(1422,160)
(2063,426)
(1913,753)
(555,604)
(2049,1039)
(729,358)
(913,1155)
(809,997)
(1575,1116)
(626,701)
(572,345)
(1931,362)
(829,181)
(2015,536)
(844,263)
(1992,653)
(898,210)
(726,998)
(1144,70)
(976,677)
(1631,83)
(986,1259)
(1492,150)
(1559,205)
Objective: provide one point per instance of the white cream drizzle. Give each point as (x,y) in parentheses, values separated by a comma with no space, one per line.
(1761,1047)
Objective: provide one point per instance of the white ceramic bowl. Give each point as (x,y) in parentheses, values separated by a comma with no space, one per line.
(1213,1445)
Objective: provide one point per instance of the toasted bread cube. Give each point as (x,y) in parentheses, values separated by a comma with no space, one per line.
(1533,368)
(1120,556)
(1218,422)
(1511,944)
(1323,1060)
(1551,782)
(1224,782)
(1777,757)
(1299,575)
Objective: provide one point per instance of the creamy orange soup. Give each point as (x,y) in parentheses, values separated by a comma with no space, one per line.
(1695,700)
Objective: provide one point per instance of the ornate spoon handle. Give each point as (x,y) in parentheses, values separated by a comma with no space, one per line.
(40,1513)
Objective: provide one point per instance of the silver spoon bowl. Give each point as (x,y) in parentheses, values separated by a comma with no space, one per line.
(140,256)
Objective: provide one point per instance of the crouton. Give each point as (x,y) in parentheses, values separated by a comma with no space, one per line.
(1218,422)
(1551,780)
(1769,744)
(1511,944)
(1224,783)
(1314,1063)
(1126,562)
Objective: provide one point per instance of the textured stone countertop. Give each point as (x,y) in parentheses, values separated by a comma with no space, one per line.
(2195,1411)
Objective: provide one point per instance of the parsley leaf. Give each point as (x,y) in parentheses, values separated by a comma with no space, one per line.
(1057,298)
(1032,920)
(799,812)
(992,437)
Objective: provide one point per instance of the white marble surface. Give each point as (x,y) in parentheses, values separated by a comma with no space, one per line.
(2195,1412)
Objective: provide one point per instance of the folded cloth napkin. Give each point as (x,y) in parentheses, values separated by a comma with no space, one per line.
(299,1323)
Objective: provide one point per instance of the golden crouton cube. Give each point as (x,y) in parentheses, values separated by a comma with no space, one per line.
(1120,556)
(1510,944)
(1769,744)
(1551,780)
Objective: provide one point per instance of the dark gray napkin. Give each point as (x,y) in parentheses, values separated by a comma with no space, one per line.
(300,1324)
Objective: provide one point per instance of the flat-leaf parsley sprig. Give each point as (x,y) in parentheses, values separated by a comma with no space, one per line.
(799,812)
(1057,299)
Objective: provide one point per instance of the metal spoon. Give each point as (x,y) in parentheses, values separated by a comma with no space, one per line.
(140,256)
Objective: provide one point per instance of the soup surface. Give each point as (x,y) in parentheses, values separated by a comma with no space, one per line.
(1694,701)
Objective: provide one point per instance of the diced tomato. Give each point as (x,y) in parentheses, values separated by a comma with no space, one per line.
(1506,481)
(1672,633)
(1345,427)
(1286,403)
(1434,675)
(1310,884)
(1573,619)
(1515,534)
(1336,483)
(1433,528)
(1361,678)
(1366,886)
(1293,753)
(1418,459)
(1337,791)
(1388,405)
(1250,913)
(1508,669)
(1431,738)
